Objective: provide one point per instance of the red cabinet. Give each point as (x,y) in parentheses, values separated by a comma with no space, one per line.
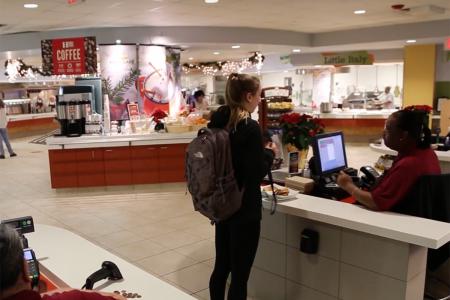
(117,165)
(145,164)
(90,167)
(63,168)
(171,162)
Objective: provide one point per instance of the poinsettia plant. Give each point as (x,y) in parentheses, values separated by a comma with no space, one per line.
(425,108)
(158,115)
(299,129)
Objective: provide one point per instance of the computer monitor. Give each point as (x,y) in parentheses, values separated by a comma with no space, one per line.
(329,153)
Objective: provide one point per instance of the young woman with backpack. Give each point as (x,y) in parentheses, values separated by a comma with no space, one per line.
(236,238)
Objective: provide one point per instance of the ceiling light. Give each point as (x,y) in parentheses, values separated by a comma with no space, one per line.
(118,41)
(216,53)
(211,1)
(296,50)
(191,58)
(31,5)
(411,41)
(235,46)
(359,12)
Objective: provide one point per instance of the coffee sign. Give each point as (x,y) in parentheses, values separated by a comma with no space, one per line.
(70,56)
(347,58)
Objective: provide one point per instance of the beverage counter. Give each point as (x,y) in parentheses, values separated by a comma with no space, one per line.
(362,254)
(95,160)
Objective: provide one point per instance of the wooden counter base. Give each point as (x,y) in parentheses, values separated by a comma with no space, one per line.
(88,167)
(356,130)
(24,128)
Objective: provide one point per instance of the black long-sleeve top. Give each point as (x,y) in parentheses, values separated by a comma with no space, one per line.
(251,162)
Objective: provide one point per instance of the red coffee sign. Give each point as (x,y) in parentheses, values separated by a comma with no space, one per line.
(68,56)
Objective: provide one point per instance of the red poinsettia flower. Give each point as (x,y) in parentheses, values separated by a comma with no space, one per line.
(299,129)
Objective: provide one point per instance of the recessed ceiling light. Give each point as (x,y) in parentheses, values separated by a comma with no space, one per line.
(235,46)
(296,50)
(31,5)
(359,12)
(118,41)
(216,53)
(191,58)
(411,41)
(211,1)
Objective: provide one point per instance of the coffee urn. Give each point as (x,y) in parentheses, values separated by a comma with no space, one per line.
(72,106)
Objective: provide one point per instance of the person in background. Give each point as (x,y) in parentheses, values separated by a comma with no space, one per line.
(407,133)
(4,132)
(236,239)
(15,283)
(386,99)
(200,102)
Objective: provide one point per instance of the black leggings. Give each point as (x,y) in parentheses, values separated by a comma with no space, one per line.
(236,246)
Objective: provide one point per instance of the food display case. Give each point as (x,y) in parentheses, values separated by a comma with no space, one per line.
(17,106)
(275,102)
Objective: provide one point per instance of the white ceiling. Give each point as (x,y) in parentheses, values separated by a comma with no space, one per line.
(296,15)
(304,16)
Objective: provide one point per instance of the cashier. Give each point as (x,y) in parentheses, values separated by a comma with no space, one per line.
(386,99)
(407,133)
(15,284)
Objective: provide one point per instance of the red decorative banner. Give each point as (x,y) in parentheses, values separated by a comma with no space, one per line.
(70,56)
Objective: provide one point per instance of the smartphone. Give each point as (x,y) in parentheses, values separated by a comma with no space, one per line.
(33,266)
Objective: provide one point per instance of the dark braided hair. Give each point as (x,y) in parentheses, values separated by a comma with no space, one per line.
(415,122)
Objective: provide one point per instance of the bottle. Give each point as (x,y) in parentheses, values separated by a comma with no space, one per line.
(438,131)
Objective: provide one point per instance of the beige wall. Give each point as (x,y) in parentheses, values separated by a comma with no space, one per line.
(419,75)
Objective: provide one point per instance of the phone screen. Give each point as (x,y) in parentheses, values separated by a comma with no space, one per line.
(27,255)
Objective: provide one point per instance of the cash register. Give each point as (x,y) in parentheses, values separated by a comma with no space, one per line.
(328,160)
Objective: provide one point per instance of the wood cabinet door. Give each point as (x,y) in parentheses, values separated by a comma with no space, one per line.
(90,167)
(117,166)
(63,168)
(171,162)
(144,164)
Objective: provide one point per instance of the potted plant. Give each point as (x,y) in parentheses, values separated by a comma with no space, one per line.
(298,131)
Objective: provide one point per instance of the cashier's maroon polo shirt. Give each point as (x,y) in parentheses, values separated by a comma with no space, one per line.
(69,295)
(400,178)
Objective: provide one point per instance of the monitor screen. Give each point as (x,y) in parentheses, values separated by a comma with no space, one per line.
(329,153)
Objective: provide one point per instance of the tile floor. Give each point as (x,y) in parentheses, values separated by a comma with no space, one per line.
(152,226)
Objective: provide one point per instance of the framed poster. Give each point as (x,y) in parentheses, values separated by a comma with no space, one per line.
(133,112)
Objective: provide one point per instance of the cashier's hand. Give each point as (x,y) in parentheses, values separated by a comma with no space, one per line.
(344,181)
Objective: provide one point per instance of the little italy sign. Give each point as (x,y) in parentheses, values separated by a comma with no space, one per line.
(347,58)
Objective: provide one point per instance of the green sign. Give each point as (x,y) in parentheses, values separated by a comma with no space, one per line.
(285,59)
(347,58)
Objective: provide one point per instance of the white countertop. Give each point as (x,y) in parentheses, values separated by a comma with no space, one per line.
(72,259)
(442,155)
(94,141)
(404,228)
(13,118)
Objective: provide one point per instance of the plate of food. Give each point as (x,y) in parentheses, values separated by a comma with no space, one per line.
(282,193)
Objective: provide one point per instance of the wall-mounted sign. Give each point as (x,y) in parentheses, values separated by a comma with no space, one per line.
(347,58)
(70,56)
(285,59)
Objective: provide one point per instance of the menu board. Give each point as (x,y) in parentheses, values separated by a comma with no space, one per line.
(69,56)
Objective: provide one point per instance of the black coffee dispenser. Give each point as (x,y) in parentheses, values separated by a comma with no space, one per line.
(72,106)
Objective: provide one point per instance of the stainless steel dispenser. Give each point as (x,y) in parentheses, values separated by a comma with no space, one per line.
(73,104)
